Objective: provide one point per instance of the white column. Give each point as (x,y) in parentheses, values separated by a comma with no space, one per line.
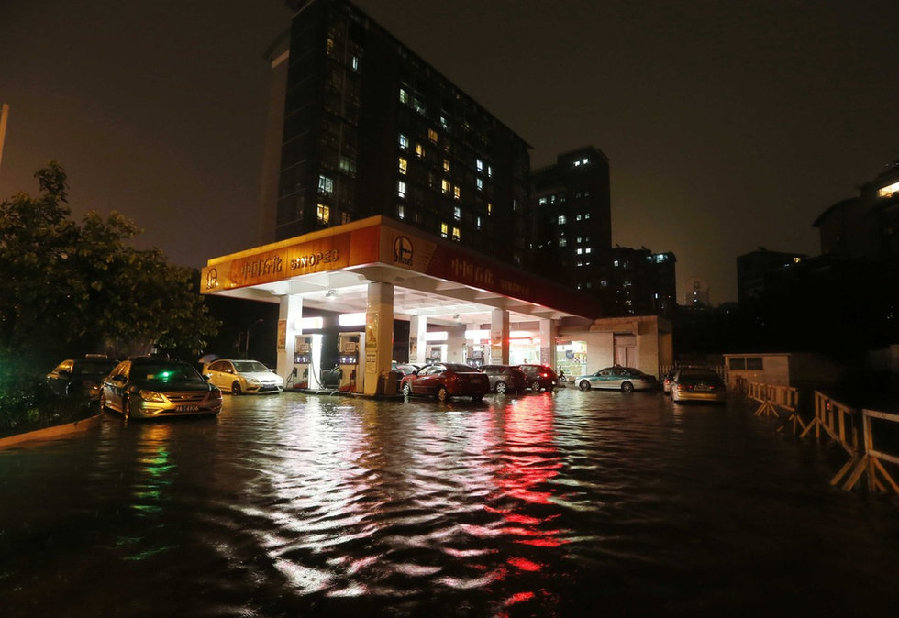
(418,330)
(549,329)
(378,334)
(499,337)
(289,315)
(455,344)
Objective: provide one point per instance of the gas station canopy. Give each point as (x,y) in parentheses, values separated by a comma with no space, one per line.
(433,277)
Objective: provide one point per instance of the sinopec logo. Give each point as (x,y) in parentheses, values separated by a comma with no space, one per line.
(402,251)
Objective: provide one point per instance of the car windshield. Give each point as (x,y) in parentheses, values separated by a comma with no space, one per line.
(94,367)
(249,366)
(164,373)
(457,367)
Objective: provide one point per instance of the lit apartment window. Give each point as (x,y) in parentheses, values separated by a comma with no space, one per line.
(446,165)
(344,218)
(489,171)
(444,230)
(477,222)
(578,217)
(588,250)
(457,192)
(325,185)
(419,106)
(401,211)
(586,215)
(445,186)
(579,251)
(457,234)
(419,151)
(480,184)
(404,142)
(562,220)
(563,242)
(580,239)
(489,208)
(329,46)
(354,63)
(432,135)
(479,163)
(443,121)
(457,213)
(322,214)
(401,188)
(402,165)
(542,201)
(404,96)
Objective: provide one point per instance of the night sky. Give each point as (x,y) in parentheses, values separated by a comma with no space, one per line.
(729,125)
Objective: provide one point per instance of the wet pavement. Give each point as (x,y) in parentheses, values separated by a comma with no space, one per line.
(569,503)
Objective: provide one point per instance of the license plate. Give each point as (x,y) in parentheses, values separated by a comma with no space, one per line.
(187,409)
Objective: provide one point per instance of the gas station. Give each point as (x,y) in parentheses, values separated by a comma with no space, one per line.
(462,306)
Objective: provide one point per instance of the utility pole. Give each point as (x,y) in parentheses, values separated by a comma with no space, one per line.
(4,112)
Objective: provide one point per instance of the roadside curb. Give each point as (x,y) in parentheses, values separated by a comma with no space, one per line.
(51,432)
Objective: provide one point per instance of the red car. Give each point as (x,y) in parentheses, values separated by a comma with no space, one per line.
(447,380)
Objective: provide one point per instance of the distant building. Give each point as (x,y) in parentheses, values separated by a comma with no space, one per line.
(697,294)
(754,268)
(571,220)
(572,239)
(866,226)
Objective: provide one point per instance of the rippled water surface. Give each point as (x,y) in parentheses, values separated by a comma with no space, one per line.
(571,503)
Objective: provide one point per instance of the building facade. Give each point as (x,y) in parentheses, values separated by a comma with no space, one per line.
(370,128)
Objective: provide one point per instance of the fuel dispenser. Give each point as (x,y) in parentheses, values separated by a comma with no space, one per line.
(349,350)
(302,360)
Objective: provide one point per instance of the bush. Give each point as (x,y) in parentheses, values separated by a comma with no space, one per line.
(26,403)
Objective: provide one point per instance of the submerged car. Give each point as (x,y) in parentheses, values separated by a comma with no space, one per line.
(447,380)
(625,379)
(698,385)
(243,376)
(154,387)
(81,376)
(540,377)
(505,378)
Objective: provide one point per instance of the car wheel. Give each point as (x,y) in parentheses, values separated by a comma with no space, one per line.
(442,394)
(477,398)
(407,389)
(535,386)
(627,387)
(235,389)
(584,385)
(500,387)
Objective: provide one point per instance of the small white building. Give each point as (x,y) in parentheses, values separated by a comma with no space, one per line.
(780,369)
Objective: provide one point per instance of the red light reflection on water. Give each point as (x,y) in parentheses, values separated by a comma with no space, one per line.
(530,461)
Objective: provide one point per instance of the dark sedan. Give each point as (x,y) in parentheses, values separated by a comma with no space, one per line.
(447,380)
(80,376)
(506,379)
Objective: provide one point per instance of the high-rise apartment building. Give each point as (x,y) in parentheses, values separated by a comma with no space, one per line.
(369,128)
(571,220)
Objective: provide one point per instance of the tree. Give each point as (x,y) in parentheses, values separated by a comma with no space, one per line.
(69,288)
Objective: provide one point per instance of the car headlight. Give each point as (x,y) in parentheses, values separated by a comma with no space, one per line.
(214,394)
(152,396)
(253,382)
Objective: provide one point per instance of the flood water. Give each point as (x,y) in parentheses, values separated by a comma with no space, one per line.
(566,504)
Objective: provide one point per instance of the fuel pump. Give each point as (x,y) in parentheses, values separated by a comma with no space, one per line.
(302,359)
(349,350)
